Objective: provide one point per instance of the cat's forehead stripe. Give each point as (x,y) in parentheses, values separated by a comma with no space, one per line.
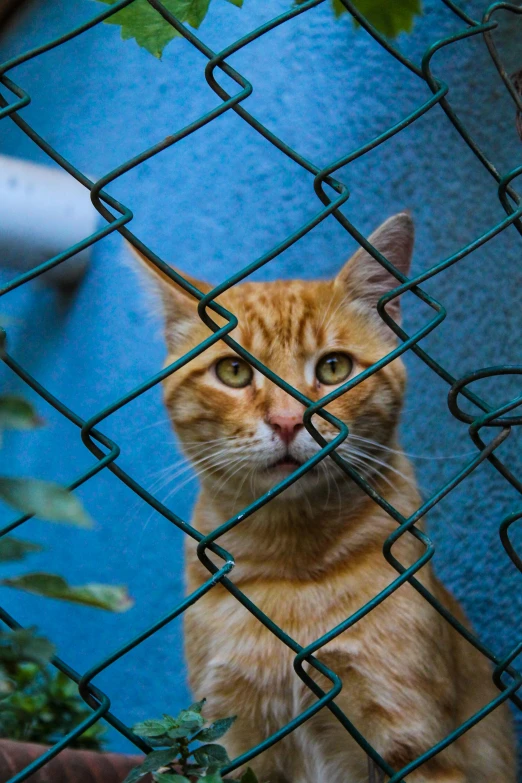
(288,316)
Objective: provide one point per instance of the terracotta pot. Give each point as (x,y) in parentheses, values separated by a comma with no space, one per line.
(70,766)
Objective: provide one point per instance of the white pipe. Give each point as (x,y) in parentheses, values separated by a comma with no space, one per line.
(43,211)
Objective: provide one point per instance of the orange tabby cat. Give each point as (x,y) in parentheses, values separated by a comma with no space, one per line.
(313,555)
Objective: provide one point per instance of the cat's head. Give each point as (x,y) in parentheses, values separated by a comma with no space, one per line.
(241,431)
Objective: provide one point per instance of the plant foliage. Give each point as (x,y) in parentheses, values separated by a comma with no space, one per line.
(44,499)
(186,750)
(146,26)
(36,705)
(389,18)
(17,414)
(113,598)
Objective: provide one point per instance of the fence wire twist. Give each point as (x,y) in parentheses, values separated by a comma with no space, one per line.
(332,194)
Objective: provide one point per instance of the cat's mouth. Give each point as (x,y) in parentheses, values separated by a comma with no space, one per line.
(287,463)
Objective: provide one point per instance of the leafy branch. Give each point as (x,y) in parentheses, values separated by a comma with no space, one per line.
(176,759)
(141,21)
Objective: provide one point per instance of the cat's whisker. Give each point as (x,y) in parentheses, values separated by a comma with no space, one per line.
(411,480)
(327,311)
(192,445)
(358,462)
(151,425)
(327,476)
(179,487)
(252,475)
(160,484)
(197,473)
(368,472)
(163,481)
(232,470)
(336,485)
(351,450)
(229,453)
(330,478)
(221,456)
(174,472)
(158,475)
(309,504)
(182,460)
(217,456)
(169,495)
(407,453)
(240,488)
(212,441)
(199,469)
(169,469)
(163,470)
(339,497)
(339,307)
(207,451)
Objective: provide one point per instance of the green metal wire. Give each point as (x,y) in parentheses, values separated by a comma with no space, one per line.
(117,217)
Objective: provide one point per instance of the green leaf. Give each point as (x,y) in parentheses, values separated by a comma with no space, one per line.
(249,776)
(197,706)
(211,757)
(190,716)
(17,414)
(179,732)
(238,3)
(24,645)
(44,499)
(153,762)
(169,721)
(62,688)
(216,730)
(148,28)
(157,731)
(166,777)
(13,549)
(26,673)
(151,728)
(338,7)
(187,721)
(113,598)
(390,18)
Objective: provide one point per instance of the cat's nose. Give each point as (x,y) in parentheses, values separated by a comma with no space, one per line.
(286,425)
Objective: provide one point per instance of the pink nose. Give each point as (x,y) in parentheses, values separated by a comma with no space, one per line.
(286,425)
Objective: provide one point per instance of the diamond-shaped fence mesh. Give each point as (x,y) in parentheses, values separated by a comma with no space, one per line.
(489,426)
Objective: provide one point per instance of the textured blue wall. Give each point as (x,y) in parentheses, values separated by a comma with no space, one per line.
(211,204)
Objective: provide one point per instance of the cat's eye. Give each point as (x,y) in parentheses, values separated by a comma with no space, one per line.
(333,368)
(234,372)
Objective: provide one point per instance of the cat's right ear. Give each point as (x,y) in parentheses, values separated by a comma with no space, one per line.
(179,307)
(365,280)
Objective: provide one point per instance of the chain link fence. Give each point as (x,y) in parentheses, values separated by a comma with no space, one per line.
(489,425)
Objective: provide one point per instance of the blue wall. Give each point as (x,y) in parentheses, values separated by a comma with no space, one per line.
(211,204)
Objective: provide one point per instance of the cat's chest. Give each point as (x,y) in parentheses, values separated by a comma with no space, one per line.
(280,609)
(286,616)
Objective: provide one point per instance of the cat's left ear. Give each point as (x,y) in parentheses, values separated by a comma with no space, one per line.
(364,280)
(179,307)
